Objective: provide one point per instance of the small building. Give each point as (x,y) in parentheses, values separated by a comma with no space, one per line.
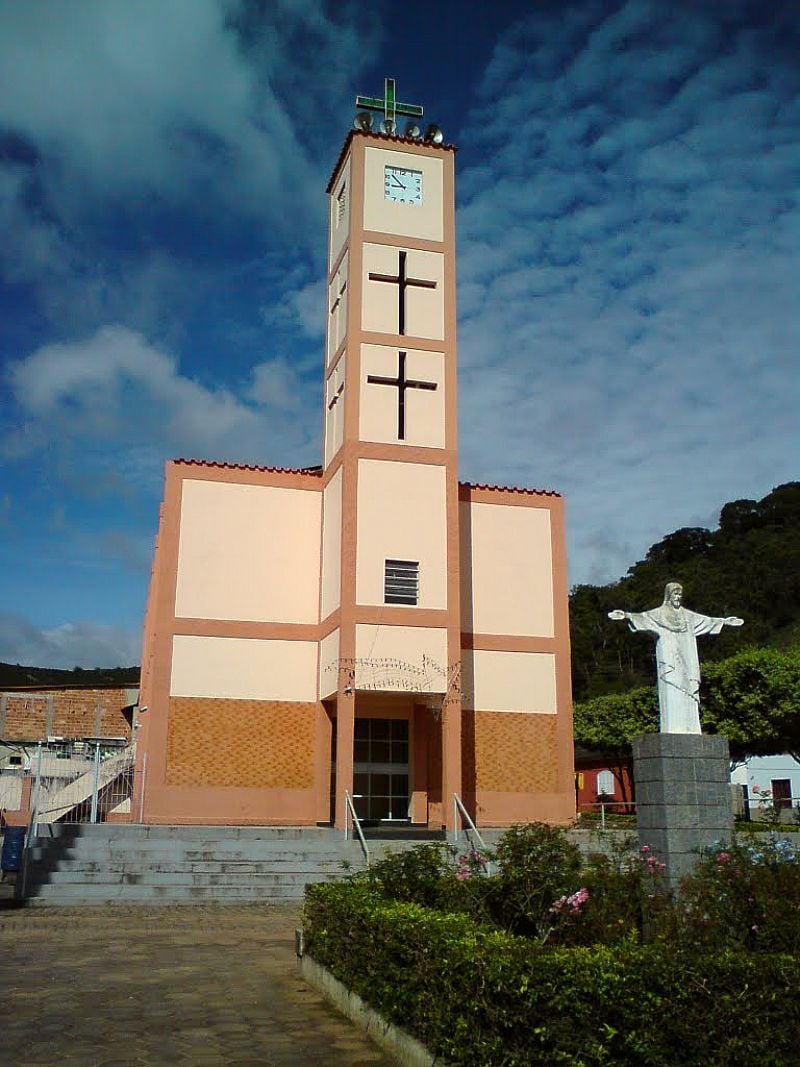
(603,781)
(53,732)
(765,781)
(371,631)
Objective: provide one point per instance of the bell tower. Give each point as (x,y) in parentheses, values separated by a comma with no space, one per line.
(390,559)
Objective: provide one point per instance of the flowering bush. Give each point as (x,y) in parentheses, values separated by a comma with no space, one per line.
(537,864)
(744,896)
(768,810)
(740,896)
(471,864)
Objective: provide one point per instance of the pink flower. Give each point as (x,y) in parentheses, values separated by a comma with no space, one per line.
(645,848)
(723,857)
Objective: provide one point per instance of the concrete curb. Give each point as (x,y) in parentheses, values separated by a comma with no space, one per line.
(401,1046)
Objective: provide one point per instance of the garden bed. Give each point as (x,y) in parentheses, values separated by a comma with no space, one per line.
(558,960)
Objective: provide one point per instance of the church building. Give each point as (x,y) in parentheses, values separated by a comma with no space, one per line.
(371,629)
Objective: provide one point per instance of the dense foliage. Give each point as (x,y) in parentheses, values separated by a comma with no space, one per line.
(750,567)
(752,698)
(746,895)
(479,996)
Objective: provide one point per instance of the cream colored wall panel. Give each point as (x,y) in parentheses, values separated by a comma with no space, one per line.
(243,668)
(328,665)
(424,408)
(424,306)
(248,552)
(339,206)
(509,681)
(332,545)
(409,658)
(337,308)
(511,571)
(401,515)
(335,401)
(424,220)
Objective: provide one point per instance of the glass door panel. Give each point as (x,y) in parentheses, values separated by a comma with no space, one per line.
(380,780)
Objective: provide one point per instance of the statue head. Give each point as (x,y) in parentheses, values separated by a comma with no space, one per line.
(673,594)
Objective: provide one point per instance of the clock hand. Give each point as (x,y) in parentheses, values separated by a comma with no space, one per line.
(397,182)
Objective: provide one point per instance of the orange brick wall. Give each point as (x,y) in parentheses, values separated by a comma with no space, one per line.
(69,713)
(262,744)
(509,753)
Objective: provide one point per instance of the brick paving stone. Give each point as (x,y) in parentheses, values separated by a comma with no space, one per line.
(205,986)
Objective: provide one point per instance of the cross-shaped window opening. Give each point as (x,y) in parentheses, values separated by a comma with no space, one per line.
(401,383)
(403,282)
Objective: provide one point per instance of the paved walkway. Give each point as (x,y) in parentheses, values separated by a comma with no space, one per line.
(118,986)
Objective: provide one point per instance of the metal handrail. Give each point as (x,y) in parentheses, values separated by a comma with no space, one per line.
(458,808)
(349,809)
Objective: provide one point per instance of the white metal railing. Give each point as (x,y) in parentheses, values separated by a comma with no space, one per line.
(607,807)
(459,809)
(350,814)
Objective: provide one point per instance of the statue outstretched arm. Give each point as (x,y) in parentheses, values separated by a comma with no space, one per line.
(638,621)
(733,620)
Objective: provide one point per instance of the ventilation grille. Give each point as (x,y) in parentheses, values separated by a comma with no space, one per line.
(401,582)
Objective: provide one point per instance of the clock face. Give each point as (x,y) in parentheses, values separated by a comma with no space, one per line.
(402,185)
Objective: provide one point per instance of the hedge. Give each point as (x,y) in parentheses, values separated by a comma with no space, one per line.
(484,997)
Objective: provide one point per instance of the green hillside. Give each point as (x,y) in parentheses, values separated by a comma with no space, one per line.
(748,566)
(12,675)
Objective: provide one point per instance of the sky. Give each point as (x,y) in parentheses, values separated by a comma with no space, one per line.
(628,236)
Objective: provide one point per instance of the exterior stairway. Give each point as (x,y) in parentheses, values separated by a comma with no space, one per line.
(100,863)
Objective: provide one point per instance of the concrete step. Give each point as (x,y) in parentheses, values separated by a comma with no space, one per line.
(181,865)
(100,831)
(71,895)
(221,854)
(181,878)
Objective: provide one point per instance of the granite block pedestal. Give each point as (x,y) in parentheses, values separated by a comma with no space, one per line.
(683,797)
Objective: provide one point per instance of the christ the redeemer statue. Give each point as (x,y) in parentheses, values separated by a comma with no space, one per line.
(677,665)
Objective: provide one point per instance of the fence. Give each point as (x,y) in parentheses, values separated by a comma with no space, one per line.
(80,782)
(618,812)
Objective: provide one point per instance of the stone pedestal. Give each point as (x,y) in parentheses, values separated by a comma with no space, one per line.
(683,796)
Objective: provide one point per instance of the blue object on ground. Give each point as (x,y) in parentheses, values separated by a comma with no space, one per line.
(13,843)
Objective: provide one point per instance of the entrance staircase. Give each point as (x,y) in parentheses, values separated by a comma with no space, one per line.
(100,863)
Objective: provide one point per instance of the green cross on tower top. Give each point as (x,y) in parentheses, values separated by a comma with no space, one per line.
(388,105)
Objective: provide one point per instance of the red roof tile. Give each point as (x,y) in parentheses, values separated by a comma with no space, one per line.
(315,472)
(381,137)
(509,489)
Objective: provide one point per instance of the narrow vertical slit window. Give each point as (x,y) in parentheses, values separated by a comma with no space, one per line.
(401,582)
(341,206)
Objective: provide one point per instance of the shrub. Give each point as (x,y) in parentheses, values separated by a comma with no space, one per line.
(415,875)
(537,865)
(744,896)
(628,899)
(477,996)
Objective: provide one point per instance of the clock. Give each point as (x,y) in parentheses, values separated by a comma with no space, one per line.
(403,186)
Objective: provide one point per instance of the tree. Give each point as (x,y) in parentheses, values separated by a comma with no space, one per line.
(752,698)
(750,567)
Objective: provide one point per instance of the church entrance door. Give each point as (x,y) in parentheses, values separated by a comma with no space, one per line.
(380,770)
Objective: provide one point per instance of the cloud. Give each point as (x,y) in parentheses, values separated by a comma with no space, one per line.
(147,150)
(73,644)
(183,99)
(634,247)
(117,391)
